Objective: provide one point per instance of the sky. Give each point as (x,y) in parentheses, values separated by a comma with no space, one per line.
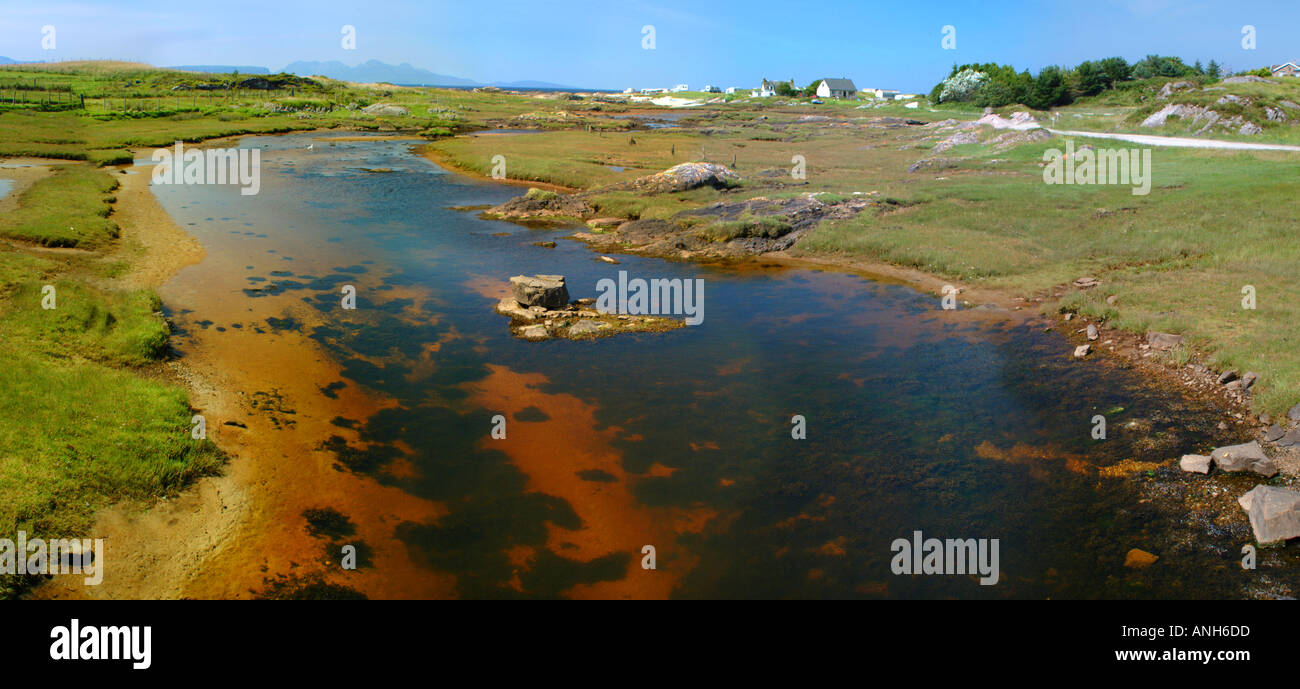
(604,44)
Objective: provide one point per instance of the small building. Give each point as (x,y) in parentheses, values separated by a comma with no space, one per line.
(1288,69)
(731,89)
(766,90)
(712,89)
(837,88)
(885,94)
(679,88)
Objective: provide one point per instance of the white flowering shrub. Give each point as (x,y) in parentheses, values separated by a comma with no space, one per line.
(962,85)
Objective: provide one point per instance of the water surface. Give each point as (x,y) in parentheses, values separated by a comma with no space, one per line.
(953,424)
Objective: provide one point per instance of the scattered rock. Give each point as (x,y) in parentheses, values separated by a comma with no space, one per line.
(1247,456)
(957,139)
(1092,332)
(547,291)
(607,259)
(545,245)
(1249,379)
(1163,341)
(1081,351)
(1274,433)
(1227,376)
(1137,559)
(1086,282)
(1274,513)
(1168,89)
(1249,129)
(1199,464)
(1294,414)
(1289,439)
(385,109)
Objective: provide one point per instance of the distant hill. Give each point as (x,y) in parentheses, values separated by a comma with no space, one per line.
(222,69)
(6,61)
(407,74)
(376,71)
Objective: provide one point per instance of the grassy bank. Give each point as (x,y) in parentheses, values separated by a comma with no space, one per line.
(85,422)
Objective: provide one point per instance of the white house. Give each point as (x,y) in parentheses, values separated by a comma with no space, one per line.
(679,88)
(731,89)
(887,94)
(767,90)
(837,88)
(1286,69)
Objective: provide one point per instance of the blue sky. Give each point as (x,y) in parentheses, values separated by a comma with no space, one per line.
(599,44)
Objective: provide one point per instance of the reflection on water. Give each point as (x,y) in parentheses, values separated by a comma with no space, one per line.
(6,185)
(917,420)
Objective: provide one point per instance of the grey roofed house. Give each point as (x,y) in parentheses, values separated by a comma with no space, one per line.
(837,88)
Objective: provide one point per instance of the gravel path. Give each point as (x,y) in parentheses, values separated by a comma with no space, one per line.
(1178,142)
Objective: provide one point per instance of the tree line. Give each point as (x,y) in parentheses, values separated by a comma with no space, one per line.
(994,85)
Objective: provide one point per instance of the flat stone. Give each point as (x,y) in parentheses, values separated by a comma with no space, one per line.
(1137,559)
(1245,457)
(1092,332)
(1290,439)
(1249,379)
(1082,351)
(1227,376)
(535,332)
(1294,414)
(586,327)
(1274,513)
(1199,464)
(1163,341)
(1274,433)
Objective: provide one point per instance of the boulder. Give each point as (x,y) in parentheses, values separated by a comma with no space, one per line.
(681,178)
(1247,456)
(1249,379)
(1199,464)
(547,291)
(1227,376)
(1294,414)
(1274,513)
(1163,341)
(1274,433)
(1249,129)
(1081,351)
(535,332)
(1092,332)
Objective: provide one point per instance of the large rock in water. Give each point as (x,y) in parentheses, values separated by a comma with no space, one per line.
(547,291)
(1274,513)
(1248,456)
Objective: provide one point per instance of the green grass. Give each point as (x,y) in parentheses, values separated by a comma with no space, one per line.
(70,209)
(84,420)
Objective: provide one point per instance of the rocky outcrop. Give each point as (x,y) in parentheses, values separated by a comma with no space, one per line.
(1247,79)
(536,313)
(542,205)
(1163,341)
(957,139)
(1274,513)
(386,109)
(682,177)
(546,291)
(1245,457)
(1173,86)
(731,228)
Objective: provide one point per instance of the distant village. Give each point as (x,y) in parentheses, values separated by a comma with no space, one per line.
(839,89)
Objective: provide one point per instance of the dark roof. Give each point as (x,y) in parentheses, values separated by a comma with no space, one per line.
(840,84)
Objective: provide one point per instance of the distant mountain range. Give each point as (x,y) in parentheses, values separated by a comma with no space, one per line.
(371,71)
(222,69)
(376,71)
